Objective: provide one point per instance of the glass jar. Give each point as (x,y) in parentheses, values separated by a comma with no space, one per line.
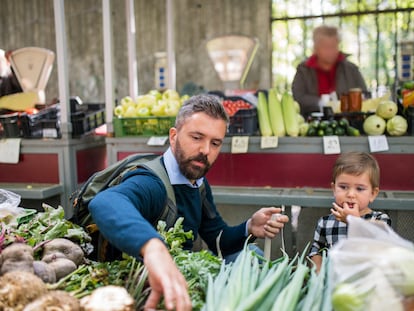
(355,99)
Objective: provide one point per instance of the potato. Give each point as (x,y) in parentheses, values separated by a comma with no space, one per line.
(17,251)
(10,265)
(52,257)
(44,271)
(62,267)
(17,256)
(18,288)
(54,300)
(68,248)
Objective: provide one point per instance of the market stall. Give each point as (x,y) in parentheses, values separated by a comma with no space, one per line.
(47,147)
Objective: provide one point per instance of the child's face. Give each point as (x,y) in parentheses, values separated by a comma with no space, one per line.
(354,190)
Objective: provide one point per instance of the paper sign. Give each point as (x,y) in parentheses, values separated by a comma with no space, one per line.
(378,143)
(10,150)
(331,145)
(50,133)
(239,144)
(269,142)
(157,141)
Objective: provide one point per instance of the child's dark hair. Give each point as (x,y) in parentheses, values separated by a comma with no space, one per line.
(356,163)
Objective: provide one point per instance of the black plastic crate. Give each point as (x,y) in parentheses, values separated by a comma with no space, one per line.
(86,121)
(10,125)
(43,124)
(244,123)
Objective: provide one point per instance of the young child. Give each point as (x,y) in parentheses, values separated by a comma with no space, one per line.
(355,184)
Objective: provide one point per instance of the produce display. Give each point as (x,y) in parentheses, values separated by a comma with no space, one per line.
(406,94)
(232,106)
(48,253)
(339,127)
(154,103)
(249,283)
(149,114)
(278,114)
(386,120)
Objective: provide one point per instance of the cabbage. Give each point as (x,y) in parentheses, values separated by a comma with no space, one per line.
(346,297)
(387,109)
(397,126)
(374,125)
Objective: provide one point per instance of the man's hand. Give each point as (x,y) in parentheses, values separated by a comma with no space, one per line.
(164,278)
(340,212)
(261,225)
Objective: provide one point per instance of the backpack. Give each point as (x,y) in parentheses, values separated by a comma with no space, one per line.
(113,175)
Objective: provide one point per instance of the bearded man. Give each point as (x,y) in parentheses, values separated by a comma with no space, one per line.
(124,213)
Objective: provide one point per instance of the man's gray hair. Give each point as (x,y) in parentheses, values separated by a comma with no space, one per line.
(209,104)
(326,31)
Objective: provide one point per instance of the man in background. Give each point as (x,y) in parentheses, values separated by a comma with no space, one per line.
(327,71)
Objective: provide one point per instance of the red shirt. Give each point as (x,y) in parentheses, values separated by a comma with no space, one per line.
(326,79)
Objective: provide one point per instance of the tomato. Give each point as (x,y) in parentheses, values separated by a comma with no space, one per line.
(232,107)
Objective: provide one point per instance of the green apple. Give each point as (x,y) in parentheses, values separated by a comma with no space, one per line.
(172,108)
(130,112)
(143,112)
(119,111)
(146,100)
(170,94)
(158,110)
(127,101)
(157,94)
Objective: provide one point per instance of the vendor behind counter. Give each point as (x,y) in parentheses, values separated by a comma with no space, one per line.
(8,80)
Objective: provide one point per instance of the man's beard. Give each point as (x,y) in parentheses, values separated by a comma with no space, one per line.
(190,171)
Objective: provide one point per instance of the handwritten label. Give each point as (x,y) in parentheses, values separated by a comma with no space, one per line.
(10,150)
(50,133)
(331,145)
(378,143)
(239,144)
(157,140)
(269,142)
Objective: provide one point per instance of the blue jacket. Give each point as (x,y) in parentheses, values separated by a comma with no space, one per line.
(124,214)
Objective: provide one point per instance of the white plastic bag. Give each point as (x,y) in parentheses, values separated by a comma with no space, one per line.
(375,262)
(9,207)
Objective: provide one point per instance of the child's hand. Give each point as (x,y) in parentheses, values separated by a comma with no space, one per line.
(340,213)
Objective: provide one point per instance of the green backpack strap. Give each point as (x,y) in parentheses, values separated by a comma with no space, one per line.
(208,209)
(170,212)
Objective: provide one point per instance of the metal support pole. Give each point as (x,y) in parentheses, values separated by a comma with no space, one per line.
(132,57)
(108,63)
(63,81)
(171,80)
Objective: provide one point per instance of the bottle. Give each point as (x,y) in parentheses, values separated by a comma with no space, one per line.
(355,99)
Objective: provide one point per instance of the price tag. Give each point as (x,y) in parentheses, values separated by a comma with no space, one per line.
(378,143)
(331,145)
(10,150)
(157,140)
(269,142)
(239,144)
(50,133)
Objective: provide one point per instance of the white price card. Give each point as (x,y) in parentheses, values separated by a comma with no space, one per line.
(331,145)
(157,140)
(267,142)
(50,133)
(10,150)
(239,144)
(378,143)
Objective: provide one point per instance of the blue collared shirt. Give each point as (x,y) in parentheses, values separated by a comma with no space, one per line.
(177,178)
(174,173)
